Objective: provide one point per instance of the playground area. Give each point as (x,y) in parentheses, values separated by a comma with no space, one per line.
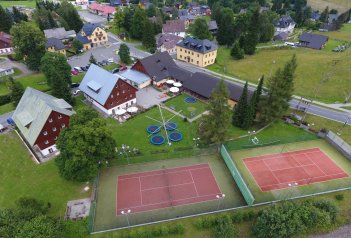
(186,105)
(291,170)
(165,189)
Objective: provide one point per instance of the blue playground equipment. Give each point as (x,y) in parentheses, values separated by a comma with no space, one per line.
(175,136)
(190,99)
(171,126)
(157,140)
(153,129)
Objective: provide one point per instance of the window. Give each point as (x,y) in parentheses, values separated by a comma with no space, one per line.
(180,49)
(192,60)
(111,95)
(117,93)
(197,62)
(55,138)
(104,37)
(63,125)
(192,53)
(54,129)
(198,55)
(50,120)
(131,95)
(46,142)
(51,150)
(180,56)
(94,39)
(45,133)
(123,91)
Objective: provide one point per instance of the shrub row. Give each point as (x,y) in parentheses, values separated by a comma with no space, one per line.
(154,232)
(235,217)
(4,99)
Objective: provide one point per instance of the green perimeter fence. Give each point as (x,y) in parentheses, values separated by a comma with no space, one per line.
(249,198)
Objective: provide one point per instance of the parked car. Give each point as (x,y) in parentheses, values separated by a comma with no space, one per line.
(110,60)
(123,67)
(115,70)
(75,85)
(105,62)
(79,69)
(74,72)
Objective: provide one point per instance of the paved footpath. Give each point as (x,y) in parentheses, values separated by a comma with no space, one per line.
(342,232)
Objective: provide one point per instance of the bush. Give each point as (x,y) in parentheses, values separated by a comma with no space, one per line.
(205,223)
(224,228)
(238,217)
(339,197)
(4,99)
(327,206)
(160,231)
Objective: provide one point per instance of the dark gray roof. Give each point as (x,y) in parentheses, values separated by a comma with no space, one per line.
(157,65)
(281,36)
(212,25)
(180,73)
(88,28)
(313,41)
(201,46)
(172,26)
(284,22)
(183,12)
(82,39)
(55,43)
(169,41)
(203,85)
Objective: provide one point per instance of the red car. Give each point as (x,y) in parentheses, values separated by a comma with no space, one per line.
(123,67)
(74,72)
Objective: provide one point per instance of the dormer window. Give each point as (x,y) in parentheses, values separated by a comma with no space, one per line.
(111,95)
(59,116)
(54,129)
(118,94)
(45,133)
(63,125)
(123,91)
(50,120)
(55,138)
(46,142)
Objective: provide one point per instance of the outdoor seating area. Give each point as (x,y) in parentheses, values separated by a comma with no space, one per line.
(122,115)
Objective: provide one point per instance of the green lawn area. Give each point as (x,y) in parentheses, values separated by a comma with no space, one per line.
(312,67)
(187,109)
(6,108)
(17,3)
(20,176)
(141,47)
(340,5)
(348,108)
(332,44)
(36,81)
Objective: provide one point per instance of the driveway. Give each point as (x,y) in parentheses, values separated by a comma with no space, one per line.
(4,117)
(20,66)
(92,18)
(148,97)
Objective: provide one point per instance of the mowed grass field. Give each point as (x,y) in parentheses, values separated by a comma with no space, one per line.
(106,203)
(340,5)
(17,3)
(312,68)
(20,176)
(282,194)
(313,65)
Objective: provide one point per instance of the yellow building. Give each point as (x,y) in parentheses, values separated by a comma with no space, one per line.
(55,45)
(95,34)
(197,52)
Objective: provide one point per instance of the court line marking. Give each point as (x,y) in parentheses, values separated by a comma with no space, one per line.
(271,171)
(191,175)
(169,186)
(140,192)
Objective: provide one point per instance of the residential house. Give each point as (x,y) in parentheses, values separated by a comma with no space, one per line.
(95,34)
(212,26)
(315,16)
(159,67)
(5,43)
(102,10)
(6,71)
(59,33)
(117,3)
(312,41)
(167,42)
(85,42)
(202,85)
(174,27)
(55,45)
(332,18)
(167,11)
(135,78)
(184,15)
(285,24)
(197,52)
(40,118)
(82,2)
(107,91)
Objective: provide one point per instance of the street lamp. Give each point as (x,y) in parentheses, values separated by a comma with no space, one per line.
(126,213)
(251,133)
(220,197)
(196,140)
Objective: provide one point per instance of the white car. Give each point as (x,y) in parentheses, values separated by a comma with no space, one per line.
(110,60)
(76,92)
(79,69)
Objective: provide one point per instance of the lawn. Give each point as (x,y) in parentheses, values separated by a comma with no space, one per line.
(141,47)
(187,109)
(20,176)
(6,108)
(348,108)
(340,5)
(17,3)
(312,68)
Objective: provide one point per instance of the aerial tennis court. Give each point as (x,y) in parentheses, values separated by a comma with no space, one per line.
(295,168)
(164,188)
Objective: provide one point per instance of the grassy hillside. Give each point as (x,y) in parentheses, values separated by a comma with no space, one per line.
(340,5)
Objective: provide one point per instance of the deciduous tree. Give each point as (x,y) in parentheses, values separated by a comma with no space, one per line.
(118,19)
(92,59)
(83,147)
(29,43)
(124,54)
(77,45)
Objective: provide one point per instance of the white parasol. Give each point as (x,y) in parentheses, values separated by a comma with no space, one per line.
(132,109)
(177,84)
(120,112)
(174,89)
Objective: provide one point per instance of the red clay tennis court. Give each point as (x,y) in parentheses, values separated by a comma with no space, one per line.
(166,188)
(283,170)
